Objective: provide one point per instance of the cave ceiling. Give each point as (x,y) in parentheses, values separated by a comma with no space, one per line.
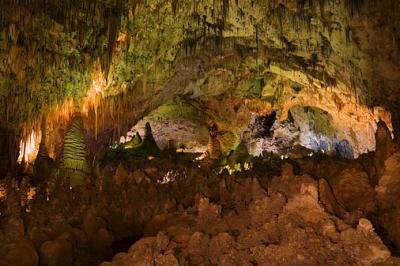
(117,61)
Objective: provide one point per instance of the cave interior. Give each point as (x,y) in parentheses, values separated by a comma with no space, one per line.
(199,132)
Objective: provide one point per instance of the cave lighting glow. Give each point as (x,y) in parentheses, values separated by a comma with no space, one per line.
(29,147)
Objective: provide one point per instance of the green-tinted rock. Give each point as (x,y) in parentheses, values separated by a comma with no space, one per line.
(74,166)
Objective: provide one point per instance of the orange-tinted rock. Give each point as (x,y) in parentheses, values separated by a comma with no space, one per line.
(56,253)
(390,220)
(219,245)
(287,185)
(262,210)
(37,236)
(120,175)
(14,228)
(388,188)
(92,223)
(80,237)
(328,200)
(58,225)
(102,240)
(198,243)
(287,170)
(245,192)
(162,241)
(353,190)
(384,146)
(209,214)
(19,253)
(166,260)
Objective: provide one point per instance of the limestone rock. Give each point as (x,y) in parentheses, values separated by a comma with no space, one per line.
(142,252)
(209,214)
(197,247)
(80,237)
(219,245)
(162,241)
(92,223)
(390,220)
(353,190)
(262,210)
(166,260)
(102,240)
(365,225)
(56,253)
(384,146)
(57,226)
(328,199)
(74,165)
(287,170)
(19,253)
(37,236)
(120,175)
(14,228)
(388,188)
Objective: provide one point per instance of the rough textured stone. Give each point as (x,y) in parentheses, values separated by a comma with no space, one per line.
(37,236)
(286,227)
(388,188)
(166,260)
(384,147)
(328,199)
(56,253)
(19,253)
(353,190)
(102,239)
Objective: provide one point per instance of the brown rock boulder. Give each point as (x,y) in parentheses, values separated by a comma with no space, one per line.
(57,252)
(197,248)
(92,223)
(263,209)
(219,245)
(142,252)
(20,253)
(390,220)
(353,190)
(37,236)
(80,238)
(162,241)
(120,259)
(167,259)
(384,146)
(388,188)
(57,226)
(208,214)
(102,240)
(247,191)
(328,200)
(120,175)
(14,228)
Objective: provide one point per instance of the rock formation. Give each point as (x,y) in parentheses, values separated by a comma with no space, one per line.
(74,166)
(212,132)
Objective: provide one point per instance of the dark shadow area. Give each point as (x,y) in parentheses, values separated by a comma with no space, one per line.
(122,245)
(263,125)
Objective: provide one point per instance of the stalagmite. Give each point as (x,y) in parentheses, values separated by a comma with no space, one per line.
(74,167)
(43,165)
